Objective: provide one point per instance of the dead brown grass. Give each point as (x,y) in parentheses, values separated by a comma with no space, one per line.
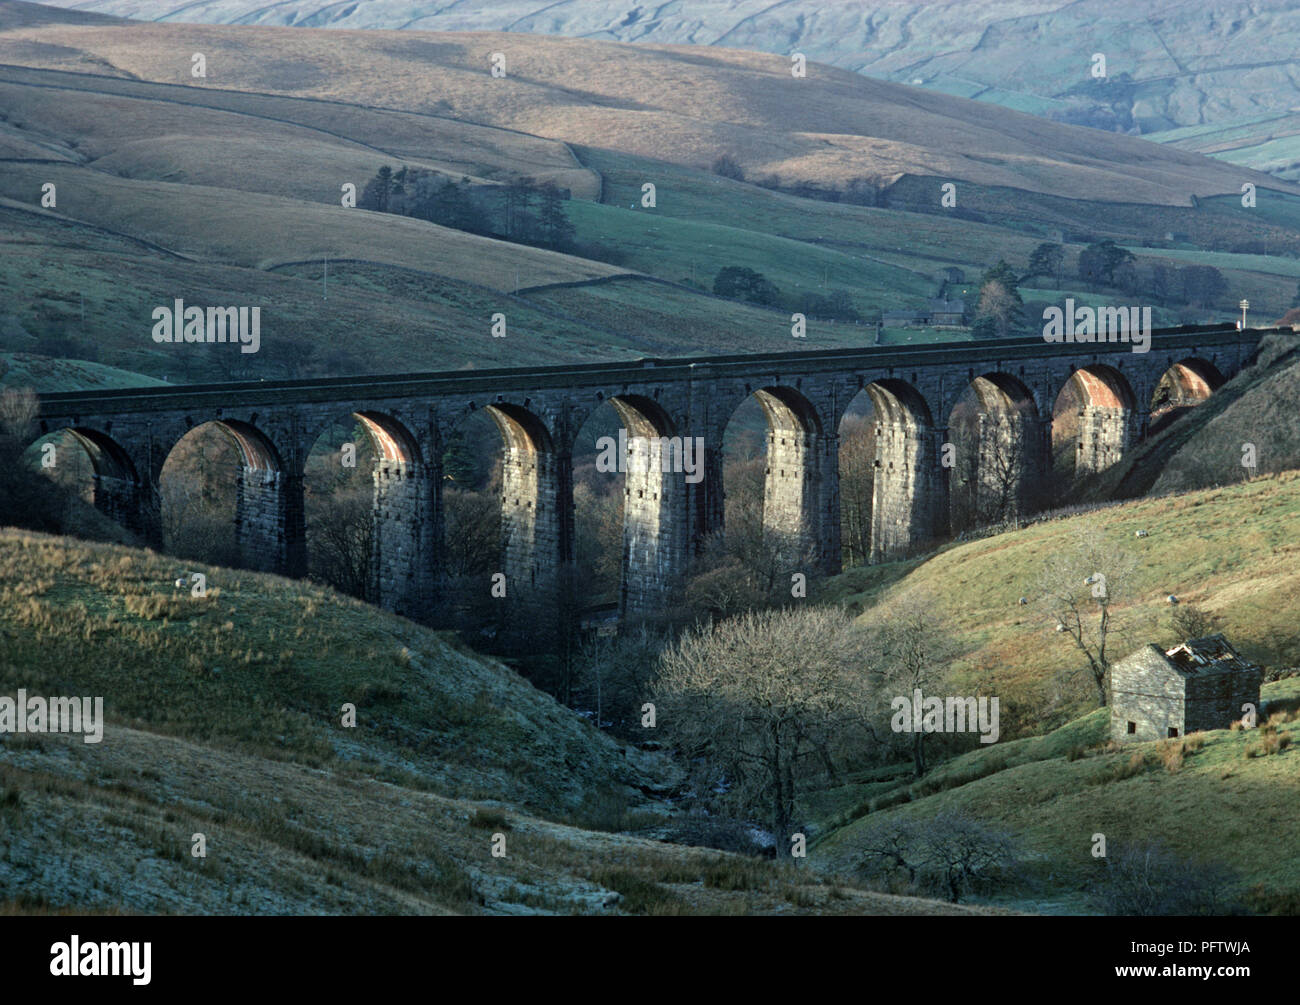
(673,102)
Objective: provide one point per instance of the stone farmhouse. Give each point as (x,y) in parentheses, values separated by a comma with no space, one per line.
(1201,684)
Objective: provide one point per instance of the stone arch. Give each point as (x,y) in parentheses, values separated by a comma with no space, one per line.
(268,516)
(390,436)
(1095,414)
(909,494)
(116,487)
(800,516)
(999,452)
(399,570)
(1185,384)
(659,462)
(536,533)
(855,461)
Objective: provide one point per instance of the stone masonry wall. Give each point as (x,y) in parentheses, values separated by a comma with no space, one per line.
(654,542)
(1103,437)
(908,491)
(1146,690)
(1214,701)
(402,559)
(269,521)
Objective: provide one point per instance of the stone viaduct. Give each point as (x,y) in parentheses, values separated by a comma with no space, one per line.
(667,517)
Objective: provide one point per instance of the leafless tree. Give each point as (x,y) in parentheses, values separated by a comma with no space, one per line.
(990,481)
(1148,880)
(472,522)
(340,540)
(857,473)
(18,408)
(1081,588)
(914,648)
(1191,622)
(759,702)
(613,677)
(952,852)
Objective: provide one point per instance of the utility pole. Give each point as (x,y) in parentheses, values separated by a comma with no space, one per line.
(326,295)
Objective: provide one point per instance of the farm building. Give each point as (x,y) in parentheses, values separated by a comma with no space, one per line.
(905,318)
(947,312)
(1201,684)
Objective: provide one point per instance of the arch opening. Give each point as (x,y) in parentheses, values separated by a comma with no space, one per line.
(88,481)
(368,505)
(857,468)
(221,498)
(908,493)
(507,523)
(1092,422)
(1186,384)
(996,463)
(777,510)
(629,471)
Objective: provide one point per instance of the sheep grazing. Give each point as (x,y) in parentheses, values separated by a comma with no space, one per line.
(1023,601)
(1172,599)
(1140,533)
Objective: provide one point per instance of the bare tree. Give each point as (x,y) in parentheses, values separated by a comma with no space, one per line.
(613,676)
(749,566)
(340,540)
(915,648)
(1081,588)
(473,531)
(1001,305)
(857,474)
(1191,622)
(26,498)
(18,408)
(952,852)
(961,852)
(756,702)
(1148,880)
(991,483)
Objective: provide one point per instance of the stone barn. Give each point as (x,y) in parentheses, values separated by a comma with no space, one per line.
(1201,684)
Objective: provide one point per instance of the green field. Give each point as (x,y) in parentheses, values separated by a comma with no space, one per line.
(1208,798)
(1232,551)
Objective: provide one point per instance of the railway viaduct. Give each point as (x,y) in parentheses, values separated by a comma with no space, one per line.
(667,515)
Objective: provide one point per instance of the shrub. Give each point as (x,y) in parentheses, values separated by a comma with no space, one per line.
(489,820)
(727,166)
(1149,880)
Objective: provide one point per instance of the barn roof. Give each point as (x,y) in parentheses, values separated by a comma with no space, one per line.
(1213,654)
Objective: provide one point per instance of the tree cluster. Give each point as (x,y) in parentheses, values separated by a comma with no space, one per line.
(736,282)
(520,210)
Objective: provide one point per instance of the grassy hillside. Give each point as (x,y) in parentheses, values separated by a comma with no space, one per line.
(1211,796)
(1205,445)
(1232,551)
(19,369)
(1053,780)
(1209,69)
(226,190)
(691,104)
(223,719)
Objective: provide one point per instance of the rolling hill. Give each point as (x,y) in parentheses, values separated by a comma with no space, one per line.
(1229,550)
(226,189)
(224,717)
(683,103)
(1211,77)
